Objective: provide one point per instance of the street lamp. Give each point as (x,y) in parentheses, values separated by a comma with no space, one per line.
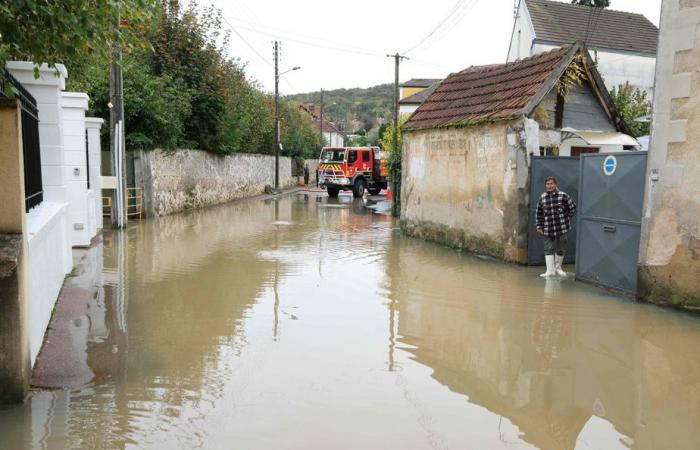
(277,117)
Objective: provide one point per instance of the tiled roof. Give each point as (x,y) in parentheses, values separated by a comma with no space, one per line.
(492,92)
(313,111)
(419,97)
(565,23)
(420,82)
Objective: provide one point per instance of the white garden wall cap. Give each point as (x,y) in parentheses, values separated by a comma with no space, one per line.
(24,72)
(74,100)
(94,122)
(602,137)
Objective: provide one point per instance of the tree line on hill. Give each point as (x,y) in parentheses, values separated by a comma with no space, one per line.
(183,90)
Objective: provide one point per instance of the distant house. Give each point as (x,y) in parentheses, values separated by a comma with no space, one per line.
(467,148)
(624,44)
(415,85)
(331,134)
(410,103)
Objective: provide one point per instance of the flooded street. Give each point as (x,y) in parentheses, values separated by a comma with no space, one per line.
(309,323)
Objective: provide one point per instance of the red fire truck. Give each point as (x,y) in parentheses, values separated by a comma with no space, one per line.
(353,168)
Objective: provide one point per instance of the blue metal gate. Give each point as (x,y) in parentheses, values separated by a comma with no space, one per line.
(567,172)
(609,218)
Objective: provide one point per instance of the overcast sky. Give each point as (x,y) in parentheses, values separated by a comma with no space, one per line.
(344,44)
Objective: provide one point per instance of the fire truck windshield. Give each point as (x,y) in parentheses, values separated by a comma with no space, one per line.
(335,155)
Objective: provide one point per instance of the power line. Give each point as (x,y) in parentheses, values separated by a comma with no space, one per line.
(309,40)
(458,4)
(245,41)
(449,21)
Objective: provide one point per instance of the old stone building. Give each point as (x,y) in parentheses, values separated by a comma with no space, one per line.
(670,245)
(467,148)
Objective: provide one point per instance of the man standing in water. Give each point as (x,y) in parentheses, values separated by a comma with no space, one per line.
(554,212)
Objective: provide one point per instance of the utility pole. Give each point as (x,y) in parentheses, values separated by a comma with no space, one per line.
(395,135)
(277,112)
(320,122)
(117,141)
(277,118)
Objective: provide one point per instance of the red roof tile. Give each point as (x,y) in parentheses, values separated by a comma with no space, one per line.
(490,92)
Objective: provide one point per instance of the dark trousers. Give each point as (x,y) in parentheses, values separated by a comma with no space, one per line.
(555,245)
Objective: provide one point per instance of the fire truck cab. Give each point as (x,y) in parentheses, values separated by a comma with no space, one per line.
(353,169)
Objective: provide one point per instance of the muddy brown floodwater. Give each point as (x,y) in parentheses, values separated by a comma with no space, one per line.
(308,323)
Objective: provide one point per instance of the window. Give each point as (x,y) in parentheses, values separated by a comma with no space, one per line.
(365,156)
(352,156)
(552,150)
(333,155)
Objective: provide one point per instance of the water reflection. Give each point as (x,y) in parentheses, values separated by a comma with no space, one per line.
(568,366)
(303,322)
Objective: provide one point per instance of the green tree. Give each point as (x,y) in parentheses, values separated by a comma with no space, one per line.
(387,139)
(53,32)
(386,142)
(299,137)
(632,103)
(156,106)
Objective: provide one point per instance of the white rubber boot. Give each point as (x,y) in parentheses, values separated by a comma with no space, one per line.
(549,259)
(558,261)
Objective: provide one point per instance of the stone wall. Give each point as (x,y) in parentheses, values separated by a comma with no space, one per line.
(313,167)
(670,244)
(468,188)
(187,179)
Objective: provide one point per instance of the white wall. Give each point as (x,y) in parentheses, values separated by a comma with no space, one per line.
(49,260)
(93,125)
(80,200)
(49,224)
(407,109)
(522,37)
(334,139)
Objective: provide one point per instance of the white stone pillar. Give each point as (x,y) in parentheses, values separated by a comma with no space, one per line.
(81,211)
(93,125)
(47,91)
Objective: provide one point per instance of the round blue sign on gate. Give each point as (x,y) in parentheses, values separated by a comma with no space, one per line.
(610,165)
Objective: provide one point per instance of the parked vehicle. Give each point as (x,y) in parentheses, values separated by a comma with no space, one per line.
(353,168)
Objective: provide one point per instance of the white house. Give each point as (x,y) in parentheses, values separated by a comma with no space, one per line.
(331,134)
(410,103)
(67,215)
(623,44)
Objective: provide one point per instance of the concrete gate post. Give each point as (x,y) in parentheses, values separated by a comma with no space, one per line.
(15,364)
(93,125)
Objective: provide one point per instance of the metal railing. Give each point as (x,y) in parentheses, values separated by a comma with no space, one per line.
(33,186)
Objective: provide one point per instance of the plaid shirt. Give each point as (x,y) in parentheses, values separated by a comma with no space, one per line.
(554,212)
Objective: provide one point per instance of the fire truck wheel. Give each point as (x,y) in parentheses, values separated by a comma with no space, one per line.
(374,190)
(333,192)
(359,188)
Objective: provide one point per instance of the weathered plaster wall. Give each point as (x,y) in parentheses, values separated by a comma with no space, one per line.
(670,246)
(468,188)
(14,323)
(187,179)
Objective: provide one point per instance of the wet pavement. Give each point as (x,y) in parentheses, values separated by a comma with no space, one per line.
(305,323)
